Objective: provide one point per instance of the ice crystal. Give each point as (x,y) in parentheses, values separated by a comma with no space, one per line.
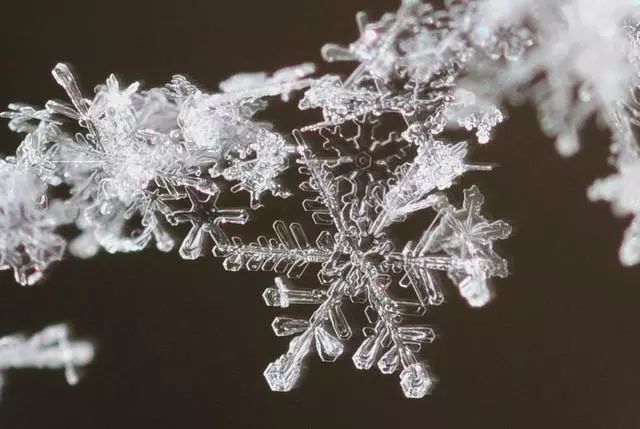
(138,155)
(464,63)
(50,348)
(28,238)
(357,260)
(582,62)
(408,63)
(582,49)
(367,146)
(131,164)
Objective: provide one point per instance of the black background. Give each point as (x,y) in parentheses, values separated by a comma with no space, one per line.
(183,344)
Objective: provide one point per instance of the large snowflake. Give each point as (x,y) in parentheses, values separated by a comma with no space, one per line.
(358,261)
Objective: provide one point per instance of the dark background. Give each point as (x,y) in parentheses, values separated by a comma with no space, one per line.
(183,344)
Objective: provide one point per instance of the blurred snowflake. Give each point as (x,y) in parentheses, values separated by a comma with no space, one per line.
(28,239)
(50,348)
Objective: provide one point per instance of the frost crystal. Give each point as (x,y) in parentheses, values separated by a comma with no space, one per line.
(49,348)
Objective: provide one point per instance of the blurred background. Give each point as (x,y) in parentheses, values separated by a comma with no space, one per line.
(182,344)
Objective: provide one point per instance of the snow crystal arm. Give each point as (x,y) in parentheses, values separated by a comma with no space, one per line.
(435,167)
(324,184)
(64,77)
(339,103)
(290,253)
(467,237)
(282,296)
(419,273)
(22,117)
(205,218)
(375,49)
(283,373)
(87,112)
(404,341)
(419,266)
(437,263)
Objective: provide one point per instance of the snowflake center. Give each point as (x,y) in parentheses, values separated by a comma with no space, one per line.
(363,160)
(364,251)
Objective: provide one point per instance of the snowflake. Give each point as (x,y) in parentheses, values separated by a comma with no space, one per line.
(408,64)
(583,51)
(205,219)
(222,127)
(28,239)
(49,348)
(142,152)
(357,260)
